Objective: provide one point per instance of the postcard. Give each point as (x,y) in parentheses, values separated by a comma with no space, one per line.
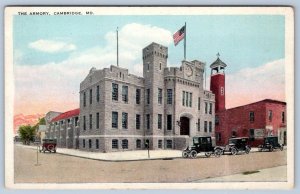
(131,97)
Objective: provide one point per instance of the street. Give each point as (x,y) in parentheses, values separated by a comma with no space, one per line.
(58,168)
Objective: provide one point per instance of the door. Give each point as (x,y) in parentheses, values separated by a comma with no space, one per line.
(184,126)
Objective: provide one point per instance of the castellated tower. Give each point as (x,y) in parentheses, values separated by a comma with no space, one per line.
(217,83)
(154,61)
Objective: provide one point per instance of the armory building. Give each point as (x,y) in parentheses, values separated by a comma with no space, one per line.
(121,111)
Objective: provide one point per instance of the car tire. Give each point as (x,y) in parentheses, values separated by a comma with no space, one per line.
(271,149)
(233,151)
(193,154)
(247,151)
(207,154)
(281,148)
(218,153)
(185,154)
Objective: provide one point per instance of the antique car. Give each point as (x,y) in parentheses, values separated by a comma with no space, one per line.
(201,144)
(270,143)
(48,145)
(236,145)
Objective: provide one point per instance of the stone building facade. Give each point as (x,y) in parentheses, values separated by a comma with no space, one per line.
(164,108)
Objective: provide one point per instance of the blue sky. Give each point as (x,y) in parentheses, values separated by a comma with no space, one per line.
(80,42)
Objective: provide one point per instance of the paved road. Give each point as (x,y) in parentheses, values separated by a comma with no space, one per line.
(57,168)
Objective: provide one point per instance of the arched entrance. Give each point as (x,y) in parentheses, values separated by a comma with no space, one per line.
(184,126)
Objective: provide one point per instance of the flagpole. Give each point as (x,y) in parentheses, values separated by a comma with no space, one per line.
(184,40)
(117,47)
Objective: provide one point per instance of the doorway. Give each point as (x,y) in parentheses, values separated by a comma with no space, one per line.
(184,126)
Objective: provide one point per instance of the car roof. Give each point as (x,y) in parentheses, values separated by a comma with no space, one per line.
(240,138)
(201,136)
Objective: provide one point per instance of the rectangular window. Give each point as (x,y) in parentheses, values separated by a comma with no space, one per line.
(115,91)
(169,96)
(91,121)
(84,99)
(138,143)
(91,96)
(98,94)
(114,123)
(210,126)
(148,96)
(97,120)
(124,144)
(83,143)
(198,125)
(183,98)
(169,144)
(186,99)
(160,143)
(76,121)
(84,123)
(283,117)
(148,121)
(97,143)
(159,121)
(206,107)
(270,115)
(114,144)
(125,93)
(191,99)
(217,120)
(198,103)
(138,121)
(210,108)
(205,126)
(159,96)
(251,134)
(90,143)
(219,136)
(169,122)
(138,96)
(124,120)
(251,116)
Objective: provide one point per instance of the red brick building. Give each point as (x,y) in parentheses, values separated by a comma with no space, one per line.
(255,120)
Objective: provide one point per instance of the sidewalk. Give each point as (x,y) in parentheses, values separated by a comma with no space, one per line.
(117,156)
(122,156)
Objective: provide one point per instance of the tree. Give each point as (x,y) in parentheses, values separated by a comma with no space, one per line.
(42,121)
(27,133)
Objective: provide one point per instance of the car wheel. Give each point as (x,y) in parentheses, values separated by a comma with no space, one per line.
(185,154)
(271,149)
(54,151)
(281,148)
(193,154)
(207,154)
(247,150)
(233,151)
(218,153)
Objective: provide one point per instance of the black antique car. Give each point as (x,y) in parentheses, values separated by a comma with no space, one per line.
(48,145)
(236,145)
(201,144)
(270,143)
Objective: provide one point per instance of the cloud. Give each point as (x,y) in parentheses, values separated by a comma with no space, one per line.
(51,46)
(55,85)
(254,84)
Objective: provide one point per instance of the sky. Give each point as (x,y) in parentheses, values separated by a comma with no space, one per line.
(53,54)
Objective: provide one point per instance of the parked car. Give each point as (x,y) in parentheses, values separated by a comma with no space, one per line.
(270,143)
(48,145)
(236,145)
(201,144)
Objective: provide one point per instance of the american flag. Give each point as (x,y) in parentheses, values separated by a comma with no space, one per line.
(179,35)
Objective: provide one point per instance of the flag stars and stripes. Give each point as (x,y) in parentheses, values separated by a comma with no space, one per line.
(179,35)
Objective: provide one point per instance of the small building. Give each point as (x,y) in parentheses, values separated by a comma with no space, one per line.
(256,120)
(65,128)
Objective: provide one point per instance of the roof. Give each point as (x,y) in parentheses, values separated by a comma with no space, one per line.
(65,115)
(265,100)
(217,63)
